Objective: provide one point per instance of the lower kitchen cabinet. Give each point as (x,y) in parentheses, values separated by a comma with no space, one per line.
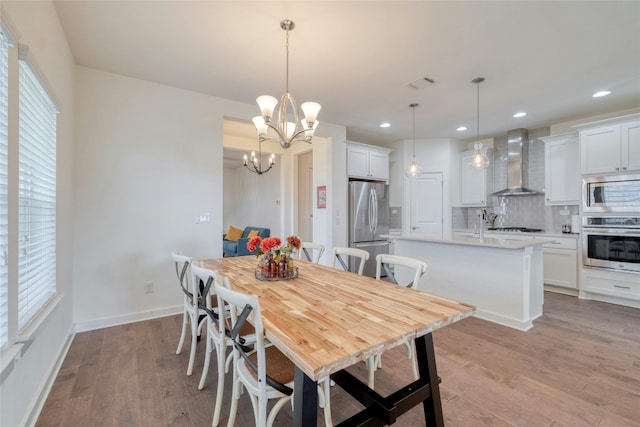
(610,286)
(560,267)
(561,262)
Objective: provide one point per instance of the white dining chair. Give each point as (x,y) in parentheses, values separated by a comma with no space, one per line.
(342,256)
(391,265)
(311,251)
(191,314)
(218,336)
(264,372)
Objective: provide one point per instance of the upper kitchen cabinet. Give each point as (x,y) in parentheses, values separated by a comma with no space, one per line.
(476,184)
(367,162)
(611,149)
(562,169)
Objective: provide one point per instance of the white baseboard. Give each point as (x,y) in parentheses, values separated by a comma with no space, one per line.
(505,321)
(36,406)
(127,318)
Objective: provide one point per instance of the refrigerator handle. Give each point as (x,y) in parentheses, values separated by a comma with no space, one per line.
(375,209)
(371,211)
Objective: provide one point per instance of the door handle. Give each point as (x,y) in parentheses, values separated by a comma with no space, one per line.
(414,228)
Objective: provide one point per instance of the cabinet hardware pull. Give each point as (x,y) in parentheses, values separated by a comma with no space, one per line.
(622,287)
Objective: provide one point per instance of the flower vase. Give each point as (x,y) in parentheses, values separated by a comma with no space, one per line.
(276,267)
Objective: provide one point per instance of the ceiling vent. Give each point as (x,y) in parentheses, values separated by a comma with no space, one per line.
(421,83)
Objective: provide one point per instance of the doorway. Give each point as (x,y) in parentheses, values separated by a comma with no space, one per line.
(305,196)
(426,205)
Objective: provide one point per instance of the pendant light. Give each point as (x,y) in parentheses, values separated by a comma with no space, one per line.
(287,126)
(255,165)
(479,159)
(414,169)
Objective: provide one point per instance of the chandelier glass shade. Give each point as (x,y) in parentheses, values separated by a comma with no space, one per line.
(414,168)
(479,158)
(286,123)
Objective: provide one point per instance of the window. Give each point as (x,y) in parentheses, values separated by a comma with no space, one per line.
(4,109)
(36,197)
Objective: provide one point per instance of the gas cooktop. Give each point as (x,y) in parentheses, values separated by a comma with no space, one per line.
(517,229)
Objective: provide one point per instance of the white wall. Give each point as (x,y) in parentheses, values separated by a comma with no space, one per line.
(148,160)
(24,386)
(255,199)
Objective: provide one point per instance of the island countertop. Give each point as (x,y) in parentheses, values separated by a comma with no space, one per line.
(488,242)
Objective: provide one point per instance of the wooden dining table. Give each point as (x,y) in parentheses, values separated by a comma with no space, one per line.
(326,320)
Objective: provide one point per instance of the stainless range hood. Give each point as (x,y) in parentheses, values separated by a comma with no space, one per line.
(517,164)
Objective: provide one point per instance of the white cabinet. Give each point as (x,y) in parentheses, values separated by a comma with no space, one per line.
(367,162)
(621,286)
(613,148)
(560,259)
(562,169)
(630,133)
(475,183)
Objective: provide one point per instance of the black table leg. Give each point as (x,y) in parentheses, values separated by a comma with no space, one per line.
(426,357)
(305,400)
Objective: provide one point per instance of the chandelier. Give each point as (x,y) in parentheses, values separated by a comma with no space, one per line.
(414,168)
(479,158)
(256,161)
(287,125)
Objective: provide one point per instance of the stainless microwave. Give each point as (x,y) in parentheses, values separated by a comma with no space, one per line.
(615,193)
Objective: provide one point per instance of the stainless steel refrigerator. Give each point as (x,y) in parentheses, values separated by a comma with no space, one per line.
(368,220)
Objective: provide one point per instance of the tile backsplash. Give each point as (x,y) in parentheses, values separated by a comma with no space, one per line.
(519,211)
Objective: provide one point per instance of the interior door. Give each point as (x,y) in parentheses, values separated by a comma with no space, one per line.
(426,205)
(305,196)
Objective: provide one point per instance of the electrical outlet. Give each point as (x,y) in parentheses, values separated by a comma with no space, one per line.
(148,287)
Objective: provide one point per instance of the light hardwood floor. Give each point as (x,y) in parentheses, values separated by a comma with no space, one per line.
(578,366)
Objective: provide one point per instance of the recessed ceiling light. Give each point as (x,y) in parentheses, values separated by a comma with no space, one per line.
(520,114)
(461,128)
(385,125)
(601,93)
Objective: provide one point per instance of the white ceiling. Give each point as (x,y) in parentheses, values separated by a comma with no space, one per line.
(356,58)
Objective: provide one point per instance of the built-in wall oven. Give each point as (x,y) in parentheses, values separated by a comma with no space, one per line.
(614,194)
(611,242)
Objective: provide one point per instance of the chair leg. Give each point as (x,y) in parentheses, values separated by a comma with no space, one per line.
(207,361)
(326,394)
(276,408)
(411,352)
(221,374)
(234,402)
(372,363)
(194,338)
(185,321)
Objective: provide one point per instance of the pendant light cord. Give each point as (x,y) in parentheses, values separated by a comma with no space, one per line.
(286,86)
(414,130)
(478,113)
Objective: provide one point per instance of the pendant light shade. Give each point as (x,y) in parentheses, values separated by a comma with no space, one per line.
(414,168)
(479,159)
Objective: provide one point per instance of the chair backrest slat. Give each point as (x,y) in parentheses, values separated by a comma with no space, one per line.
(384,261)
(341,254)
(308,248)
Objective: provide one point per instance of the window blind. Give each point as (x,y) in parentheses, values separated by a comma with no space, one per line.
(4,109)
(36,197)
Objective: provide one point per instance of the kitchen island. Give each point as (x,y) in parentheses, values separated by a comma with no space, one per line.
(503,278)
